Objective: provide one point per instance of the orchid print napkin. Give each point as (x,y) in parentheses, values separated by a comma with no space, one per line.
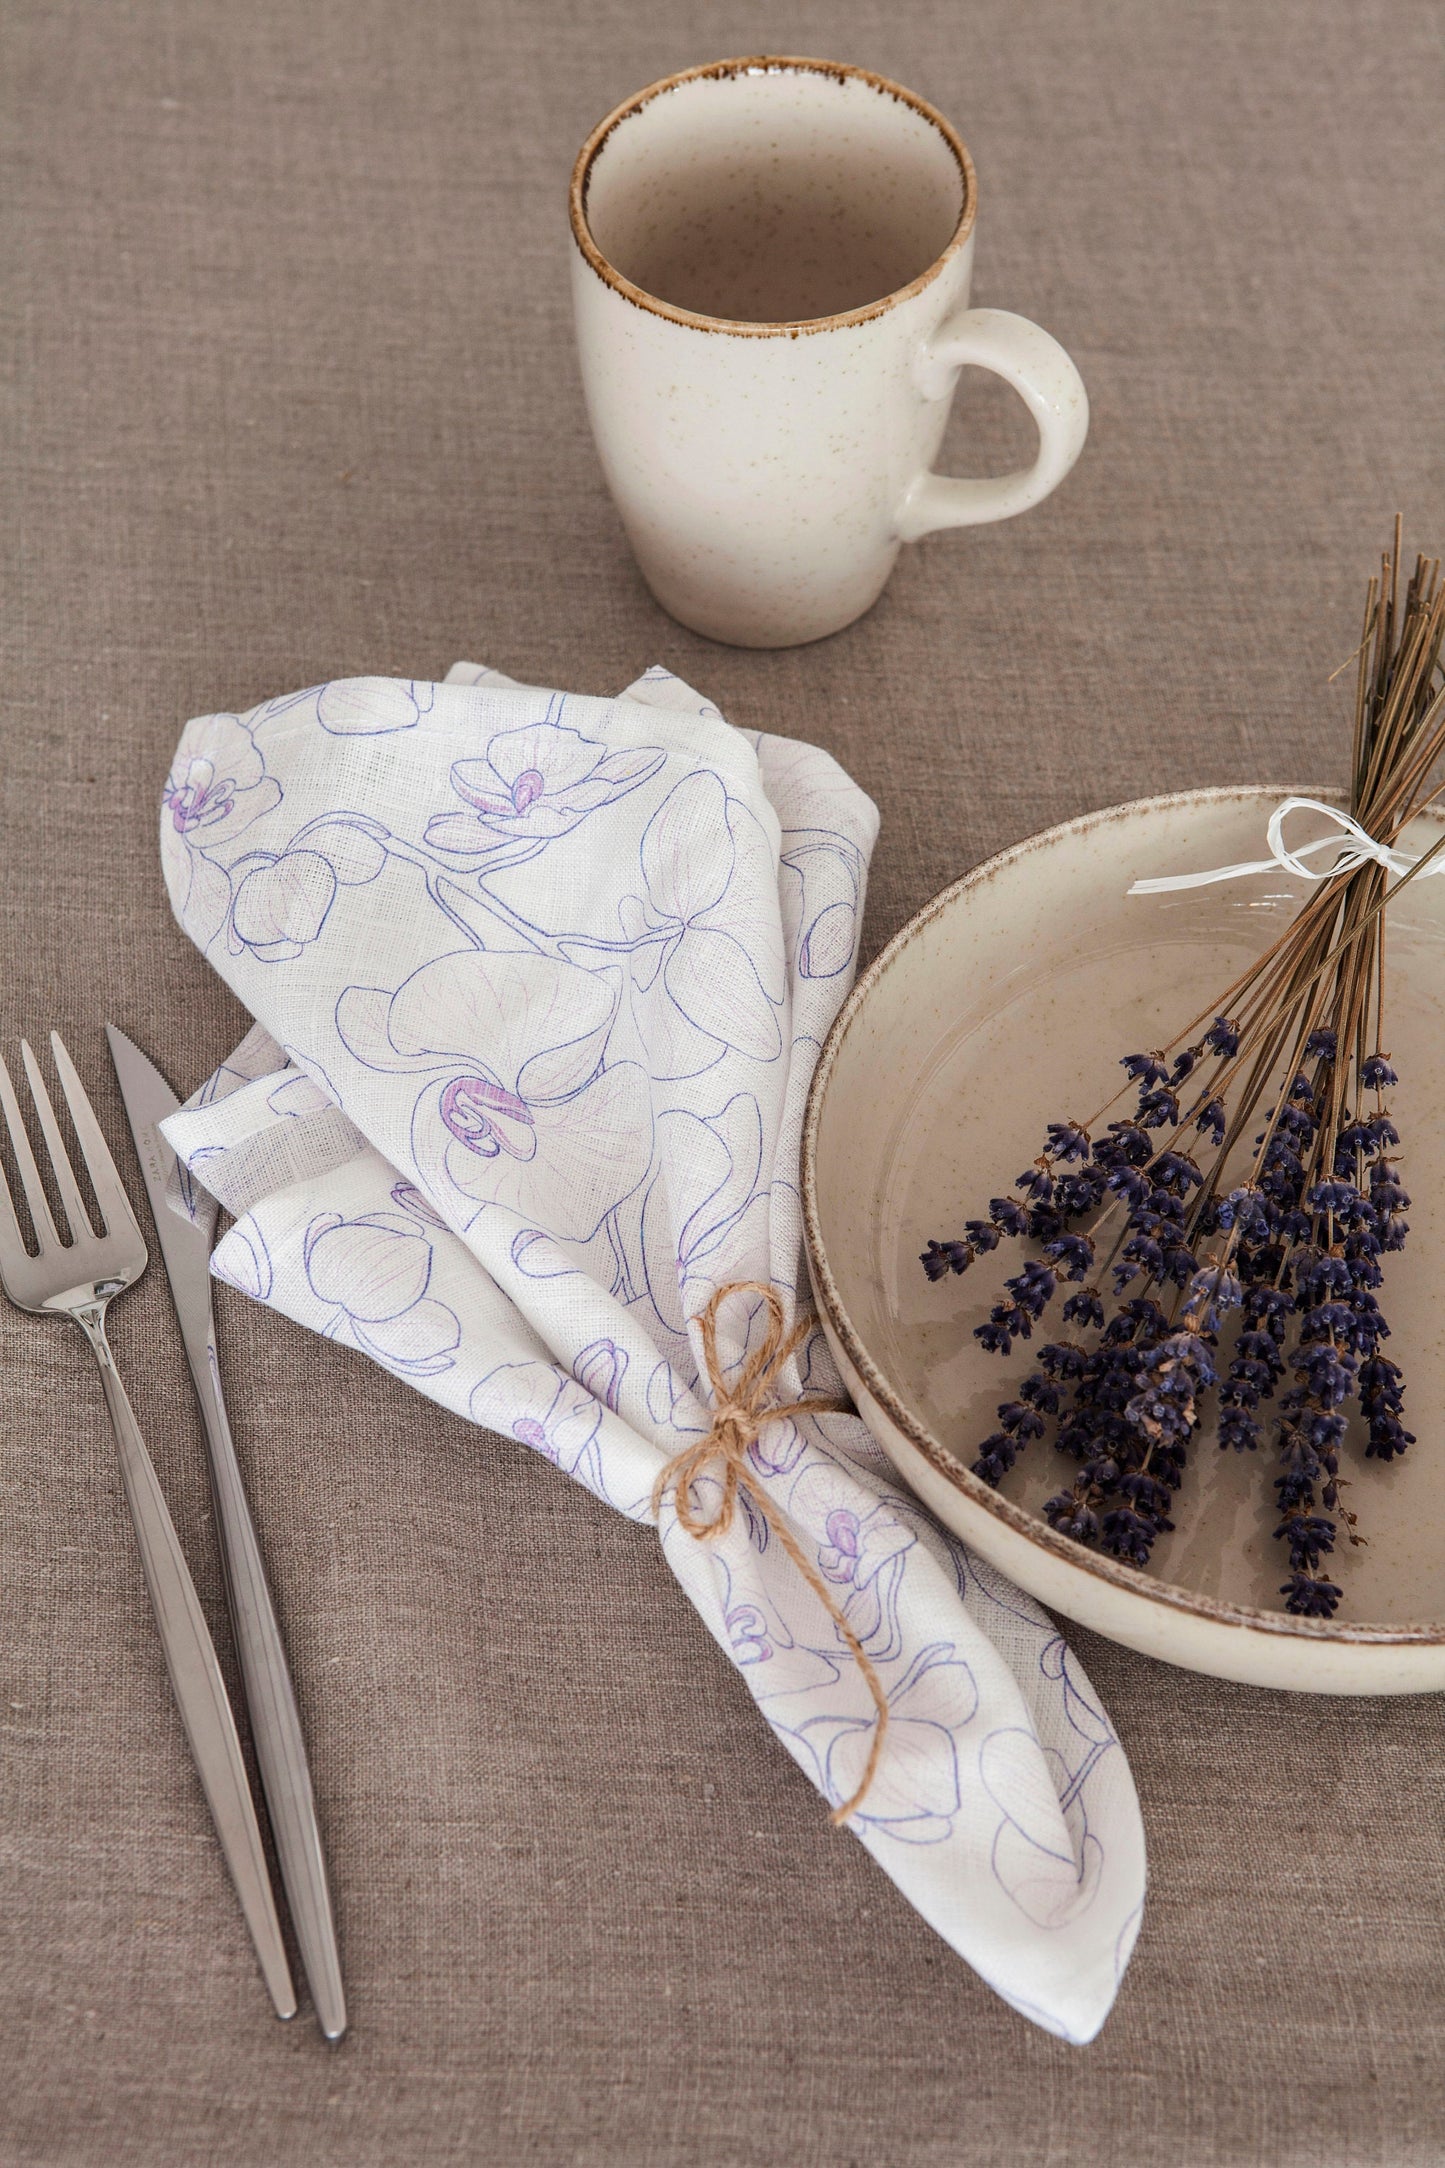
(539,983)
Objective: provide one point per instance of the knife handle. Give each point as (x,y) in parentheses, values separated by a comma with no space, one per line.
(275,1720)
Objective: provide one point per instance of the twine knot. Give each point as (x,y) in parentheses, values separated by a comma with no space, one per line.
(741,1409)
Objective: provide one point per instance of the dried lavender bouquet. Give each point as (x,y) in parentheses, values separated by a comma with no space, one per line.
(1253,1190)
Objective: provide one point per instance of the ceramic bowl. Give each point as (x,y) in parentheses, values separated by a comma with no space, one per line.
(1007,1002)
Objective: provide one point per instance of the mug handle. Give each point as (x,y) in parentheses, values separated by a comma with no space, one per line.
(1050,386)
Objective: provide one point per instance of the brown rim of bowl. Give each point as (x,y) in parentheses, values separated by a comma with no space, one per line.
(1130,1579)
(765,64)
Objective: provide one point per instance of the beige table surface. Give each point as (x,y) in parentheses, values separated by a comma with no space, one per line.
(289,394)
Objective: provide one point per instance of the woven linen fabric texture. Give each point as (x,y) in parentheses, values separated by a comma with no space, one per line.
(289,395)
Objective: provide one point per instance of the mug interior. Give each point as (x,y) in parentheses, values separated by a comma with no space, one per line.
(775,191)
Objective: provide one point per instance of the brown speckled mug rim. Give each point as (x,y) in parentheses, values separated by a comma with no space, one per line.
(769,64)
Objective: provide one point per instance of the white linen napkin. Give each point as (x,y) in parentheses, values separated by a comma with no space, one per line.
(540,981)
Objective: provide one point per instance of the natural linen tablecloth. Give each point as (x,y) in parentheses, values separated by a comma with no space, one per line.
(540,981)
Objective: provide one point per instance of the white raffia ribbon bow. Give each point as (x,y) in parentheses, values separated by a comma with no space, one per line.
(1356,847)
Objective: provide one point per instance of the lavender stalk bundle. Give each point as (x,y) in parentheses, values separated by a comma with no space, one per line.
(1252,1190)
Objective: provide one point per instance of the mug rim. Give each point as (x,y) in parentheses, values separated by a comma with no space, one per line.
(775,64)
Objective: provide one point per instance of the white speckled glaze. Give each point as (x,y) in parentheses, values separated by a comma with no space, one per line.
(1005,1003)
(771,281)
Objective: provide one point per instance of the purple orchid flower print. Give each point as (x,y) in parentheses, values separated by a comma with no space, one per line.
(281,900)
(696,988)
(1045,1857)
(375,1272)
(517,1110)
(601,1368)
(409,1198)
(822,890)
(246,1265)
(217,787)
(372,707)
(218,784)
(865,1554)
(543,1408)
(539,782)
(840,1556)
(748,1635)
(704,1189)
(915,1794)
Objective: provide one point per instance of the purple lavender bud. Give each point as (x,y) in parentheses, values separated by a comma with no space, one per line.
(1085,1308)
(1009,1217)
(1177,1172)
(1067,1141)
(1238,1430)
(1380,1385)
(1351,1145)
(1033,1288)
(1071,1517)
(1217,1285)
(1388,1437)
(1320,1432)
(1211,1121)
(1073,1254)
(1140,1254)
(1321,1045)
(1127,1182)
(1327,1318)
(1329,1374)
(996,1457)
(1340,1198)
(1222,1039)
(1144,1069)
(1308,1597)
(1127,1535)
(1159,1108)
(1317,1276)
(1044,1223)
(1386,1191)
(1308,1535)
(1376,1074)
(1081,1192)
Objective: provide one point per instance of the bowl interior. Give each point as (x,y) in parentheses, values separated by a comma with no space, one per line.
(1009,1004)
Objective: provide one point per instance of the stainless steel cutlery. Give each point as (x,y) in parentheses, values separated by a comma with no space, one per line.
(275,1723)
(67,1266)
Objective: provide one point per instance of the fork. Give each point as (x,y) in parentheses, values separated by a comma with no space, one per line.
(76,1276)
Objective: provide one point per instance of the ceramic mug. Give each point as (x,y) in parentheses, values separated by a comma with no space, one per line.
(771,281)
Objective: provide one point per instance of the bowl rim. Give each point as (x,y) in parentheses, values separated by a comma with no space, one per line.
(1076,1557)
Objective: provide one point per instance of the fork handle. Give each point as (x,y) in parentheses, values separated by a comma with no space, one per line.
(195,1674)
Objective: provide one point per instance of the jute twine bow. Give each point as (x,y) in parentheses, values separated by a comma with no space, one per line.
(740,1412)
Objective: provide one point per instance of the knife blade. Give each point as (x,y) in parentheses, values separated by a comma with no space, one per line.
(275,1721)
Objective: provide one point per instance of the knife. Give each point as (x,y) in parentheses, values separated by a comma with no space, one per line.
(275,1723)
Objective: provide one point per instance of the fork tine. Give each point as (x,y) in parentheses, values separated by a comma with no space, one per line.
(25,1160)
(60,1167)
(109,1189)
